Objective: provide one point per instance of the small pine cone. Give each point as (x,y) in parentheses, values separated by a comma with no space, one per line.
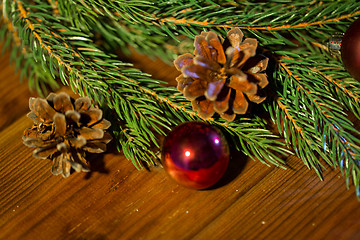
(64,129)
(222,75)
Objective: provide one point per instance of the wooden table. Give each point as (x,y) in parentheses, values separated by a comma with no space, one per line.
(116,201)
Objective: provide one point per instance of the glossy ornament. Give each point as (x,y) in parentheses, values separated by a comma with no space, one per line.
(195,154)
(350,49)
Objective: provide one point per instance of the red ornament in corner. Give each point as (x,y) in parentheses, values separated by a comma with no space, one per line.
(350,49)
(195,154)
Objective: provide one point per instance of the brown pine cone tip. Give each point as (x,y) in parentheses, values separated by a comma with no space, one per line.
(64,129)
(220,73)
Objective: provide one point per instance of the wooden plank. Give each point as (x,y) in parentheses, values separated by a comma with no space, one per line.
(14,94)
(291,204)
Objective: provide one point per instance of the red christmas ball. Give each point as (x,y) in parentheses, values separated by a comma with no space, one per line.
(350,49)
(195,154)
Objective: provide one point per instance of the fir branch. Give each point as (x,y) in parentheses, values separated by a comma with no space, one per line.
(297,136)
(257,18)
(337,80)
(252,138)
(118,34)
(24,61)
(346,91)
(314,92)
(144,107)
(130,11)
(264,21)
(91,80)
(313,121)
(114,30)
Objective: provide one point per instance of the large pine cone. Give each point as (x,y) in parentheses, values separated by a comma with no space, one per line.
(64,129)
(223,75)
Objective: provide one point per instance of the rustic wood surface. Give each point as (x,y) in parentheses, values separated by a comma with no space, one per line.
(116,201)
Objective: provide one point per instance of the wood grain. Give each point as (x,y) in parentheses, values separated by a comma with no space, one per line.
(14,94)
(116,201)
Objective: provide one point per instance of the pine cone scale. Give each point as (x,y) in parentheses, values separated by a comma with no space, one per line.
(228,116)
(256,65)
(103,124)
(73,116)
(240,104)
(196,71)
(259,79)
(202,47)
(60,124)
(263,81)
(213,89)
(78,142)
(235,37)
(62,103)
(44,152)
(30,134)
(43,111)
(34,142)
(195,90)
(182,82)
(82,104)
(206,108)
(91,116)
(208,64)
(256,99)
(183,60)
(91,133)
(218,54)
(94,147)
(56,168)
(221,106)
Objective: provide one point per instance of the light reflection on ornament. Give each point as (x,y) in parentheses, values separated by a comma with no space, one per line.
(216,141)
(187,153)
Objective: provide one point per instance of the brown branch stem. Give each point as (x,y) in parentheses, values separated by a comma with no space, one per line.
(206,23)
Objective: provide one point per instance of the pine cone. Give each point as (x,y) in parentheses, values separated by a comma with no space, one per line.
(64,129)
(223,75)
